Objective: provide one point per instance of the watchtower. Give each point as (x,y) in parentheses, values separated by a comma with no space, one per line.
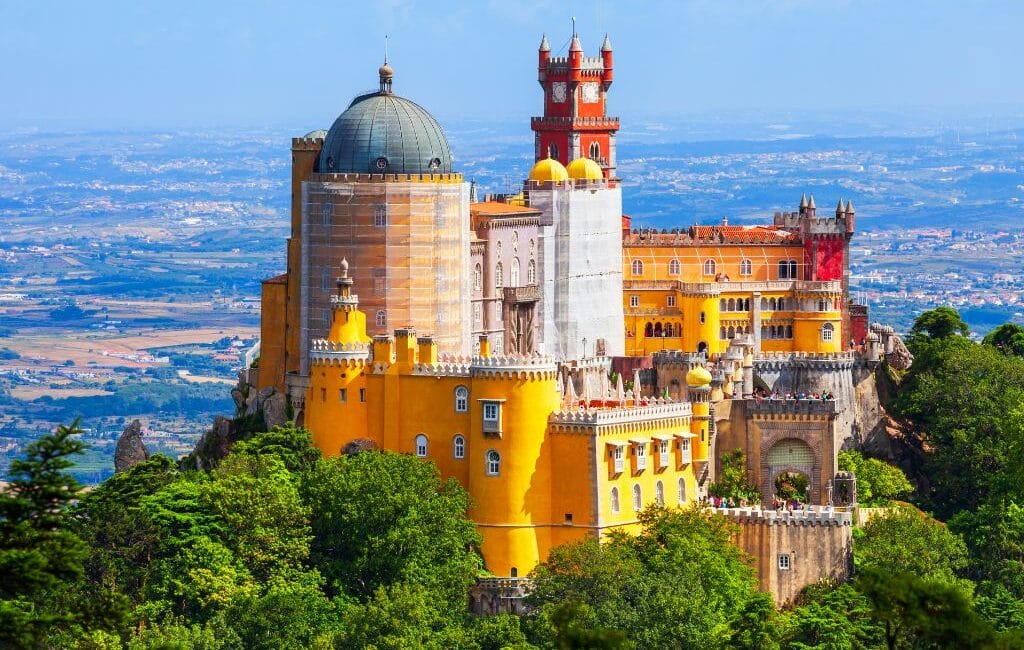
(575,122)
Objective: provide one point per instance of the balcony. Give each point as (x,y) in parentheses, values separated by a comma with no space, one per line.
(521,295)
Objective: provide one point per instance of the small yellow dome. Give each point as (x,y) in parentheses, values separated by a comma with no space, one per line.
(585,169)
(548,170)
(698,376)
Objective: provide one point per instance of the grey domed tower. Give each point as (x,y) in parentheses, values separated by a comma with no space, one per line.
(377,189)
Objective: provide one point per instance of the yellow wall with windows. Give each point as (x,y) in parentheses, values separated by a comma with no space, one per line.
(656,262)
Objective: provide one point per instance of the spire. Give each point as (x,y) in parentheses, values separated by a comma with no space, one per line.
(575,46)
(810,203)
(849,207)
(607,46)
(803,201)
(385,71)
(839,208)
(544,45)
(344,282)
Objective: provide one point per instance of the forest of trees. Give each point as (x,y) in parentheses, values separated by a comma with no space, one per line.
(277,547)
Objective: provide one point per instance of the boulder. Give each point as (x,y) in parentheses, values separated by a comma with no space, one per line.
(275,410)
(130,449)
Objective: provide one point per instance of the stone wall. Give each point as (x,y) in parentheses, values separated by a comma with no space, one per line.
(791,550)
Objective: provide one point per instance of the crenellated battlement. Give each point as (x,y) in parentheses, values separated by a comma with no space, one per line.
(817,516)
(514,366)
(442,369)
(307,144)
(785,408)
(622,419)
(766,361)
(452,178)
(324,352)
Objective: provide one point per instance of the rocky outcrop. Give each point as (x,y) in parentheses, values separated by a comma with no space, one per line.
(130,448)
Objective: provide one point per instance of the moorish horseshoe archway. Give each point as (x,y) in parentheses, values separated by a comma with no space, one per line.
(787,453)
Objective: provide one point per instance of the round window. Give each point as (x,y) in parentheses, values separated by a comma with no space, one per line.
(435,163)
(381,163)
(330,162)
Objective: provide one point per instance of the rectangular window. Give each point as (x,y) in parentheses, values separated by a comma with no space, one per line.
(663,453)
(568,517)
(492,419)
(325,279)
(784,562)
(323,394)
(380,215)
(325,315)
(685,455)
(634,301)
(617,457)
(670,301)
(342,394)
(362,394)
(641,457)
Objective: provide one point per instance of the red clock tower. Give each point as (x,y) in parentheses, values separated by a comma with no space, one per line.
(576,122)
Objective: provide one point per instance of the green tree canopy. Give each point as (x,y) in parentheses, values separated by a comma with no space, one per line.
(1008,338)
(906,540)
(680,583)
(380,518)
(939,323)
(878,482)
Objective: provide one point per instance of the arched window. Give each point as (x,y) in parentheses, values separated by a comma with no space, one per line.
(673,267)
(722,334)
(421,446)
(746,267)
(499,276)
(732,305)
(746,304)
(381,318)
(732,332)
(764,331)
(638,502)
(659,493)
(553,150)
(649,330)
(595,151)
(783,269)
(709,267)
(789,331)
(531,273)
(773,304)
(615,500)
(459,447)
(681,491)
(657,329)
(827,331)
(461,399)
(478,278)
(514,275)
(637,268)
(792,269)
(764,304)
(493,463)
(722,305)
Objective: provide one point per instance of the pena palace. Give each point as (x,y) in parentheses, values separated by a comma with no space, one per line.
(566,368)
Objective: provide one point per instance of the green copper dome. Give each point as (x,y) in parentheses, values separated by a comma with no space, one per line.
(382,133)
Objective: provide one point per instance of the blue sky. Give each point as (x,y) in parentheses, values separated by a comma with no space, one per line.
(108,64)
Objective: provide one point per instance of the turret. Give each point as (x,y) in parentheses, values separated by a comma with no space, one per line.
(849,217)
(803,204)
(543,56)
(840,210)
(575,58)
(810,211)
(606,60)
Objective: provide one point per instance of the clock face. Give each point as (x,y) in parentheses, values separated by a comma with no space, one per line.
(590,92)
(558,92)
